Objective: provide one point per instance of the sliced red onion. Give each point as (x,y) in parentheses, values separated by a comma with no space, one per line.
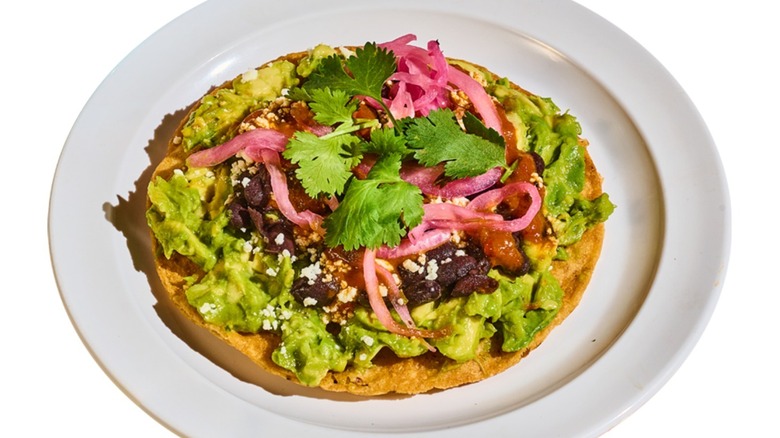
(401,105)
(255,139)
(439,63)
(399,43)
(421,76)
(394,295)
(444,216)
(426,241)
(479,98)
(425,178)
(491,199)
(319,130)
(380,308)
(282,195)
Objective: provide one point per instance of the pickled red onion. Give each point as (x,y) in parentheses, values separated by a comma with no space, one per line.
(420,78)
(489,200)
(424,241)
(282,195)
(482,102)
(256,139)
(395,297)
(445,216)
(425,178)
(398,301)
(402,104)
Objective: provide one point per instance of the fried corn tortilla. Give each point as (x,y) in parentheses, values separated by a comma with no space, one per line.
(388,373)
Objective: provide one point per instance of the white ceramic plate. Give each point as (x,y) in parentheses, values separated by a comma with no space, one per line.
(651,296)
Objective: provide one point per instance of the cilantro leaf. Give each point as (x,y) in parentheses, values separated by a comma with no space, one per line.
(370,67)
(376,210)
(324,164)
(475,126)
(332,106)
(386,141)
(439,139)
(298,93)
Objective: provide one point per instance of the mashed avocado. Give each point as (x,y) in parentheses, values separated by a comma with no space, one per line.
(246,289)
(210,123)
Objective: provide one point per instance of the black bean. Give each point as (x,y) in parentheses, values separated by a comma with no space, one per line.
(458,267)
(538,162)
(257,218)
(422,292)
(278,244)
(476,283)
(410,277)
(322,292)
(442,252)
(258,191)
(483,263)
(239,215)
(526,266)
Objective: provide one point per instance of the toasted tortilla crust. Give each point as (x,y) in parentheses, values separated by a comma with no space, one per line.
(425,373)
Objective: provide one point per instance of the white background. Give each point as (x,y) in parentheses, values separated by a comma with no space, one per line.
(54,55)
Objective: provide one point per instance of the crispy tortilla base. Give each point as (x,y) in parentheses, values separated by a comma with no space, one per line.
(425,373)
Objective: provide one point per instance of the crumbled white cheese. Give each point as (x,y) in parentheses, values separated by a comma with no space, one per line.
(279,239)
(311,272)
(271,272)
(207,308)
(432,270)
(346,52)
(460,253)
(248,76)
(178,172)
(363,356)
(410,265)
(368,340)
(245,181)
(348,294)
(247,246)
(309,301)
